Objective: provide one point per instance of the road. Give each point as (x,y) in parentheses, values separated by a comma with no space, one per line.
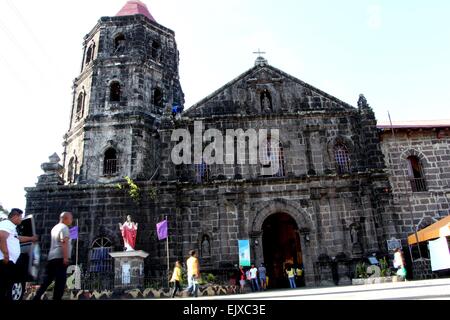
(438,289)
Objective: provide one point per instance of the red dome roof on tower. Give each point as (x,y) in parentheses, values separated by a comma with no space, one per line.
(135,7)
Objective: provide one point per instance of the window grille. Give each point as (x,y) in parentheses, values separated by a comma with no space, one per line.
(342,158)
(99,258)
(416,176)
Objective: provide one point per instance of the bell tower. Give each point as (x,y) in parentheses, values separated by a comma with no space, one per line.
(128,81)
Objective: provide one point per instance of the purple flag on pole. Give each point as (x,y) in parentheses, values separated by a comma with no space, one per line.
(161,228)
(74,233)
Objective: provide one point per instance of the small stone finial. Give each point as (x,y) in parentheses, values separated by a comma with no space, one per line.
(364,107)
(261,61)
(362,102)
(54,158)
(52,172)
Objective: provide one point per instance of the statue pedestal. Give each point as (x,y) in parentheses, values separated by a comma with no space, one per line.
(129,269)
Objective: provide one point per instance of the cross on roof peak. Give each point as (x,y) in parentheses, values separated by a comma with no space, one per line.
(259,52)
(260,60)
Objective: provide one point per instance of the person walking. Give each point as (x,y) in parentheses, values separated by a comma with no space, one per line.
(254,278)
(242,278)
(262,276)
(58,258)
(399,264)
(176,278)
(291,275)
(193,270)
(10,251)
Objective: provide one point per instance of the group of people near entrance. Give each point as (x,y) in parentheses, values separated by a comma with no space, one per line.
(256,277)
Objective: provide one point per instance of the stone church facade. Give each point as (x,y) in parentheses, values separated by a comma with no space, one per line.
(329,204)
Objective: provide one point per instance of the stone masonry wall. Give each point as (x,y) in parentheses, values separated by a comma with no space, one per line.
(432,147)
(225,211)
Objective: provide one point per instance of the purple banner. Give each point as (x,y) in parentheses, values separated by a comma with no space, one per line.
(161,228)
(73,233)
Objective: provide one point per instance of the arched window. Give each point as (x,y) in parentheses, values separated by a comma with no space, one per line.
(99,258)
(90,53)
(80,105)
(156,46)
(71,171)
(158,97)
(342,158)
(114,92)
(110,162)
(275,158)
(416,176)
(119,43)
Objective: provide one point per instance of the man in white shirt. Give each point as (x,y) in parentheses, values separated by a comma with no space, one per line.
(10,251)
(58,258)
(254,278)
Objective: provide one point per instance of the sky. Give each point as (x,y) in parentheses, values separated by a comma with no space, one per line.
(397,53)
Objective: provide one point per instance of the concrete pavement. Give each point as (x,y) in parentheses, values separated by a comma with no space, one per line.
(438,289)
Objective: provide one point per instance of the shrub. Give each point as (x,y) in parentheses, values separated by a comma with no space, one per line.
(384,266)
(361,270)
(211,278)
(134,191)
(131,188)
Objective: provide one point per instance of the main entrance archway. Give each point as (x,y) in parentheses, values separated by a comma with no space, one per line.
(281,246)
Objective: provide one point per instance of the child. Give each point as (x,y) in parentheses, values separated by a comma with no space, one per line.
(176,278)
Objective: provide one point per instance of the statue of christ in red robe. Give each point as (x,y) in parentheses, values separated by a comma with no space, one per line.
(129,231)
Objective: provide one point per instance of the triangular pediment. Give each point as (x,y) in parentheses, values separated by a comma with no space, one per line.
(265,89)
